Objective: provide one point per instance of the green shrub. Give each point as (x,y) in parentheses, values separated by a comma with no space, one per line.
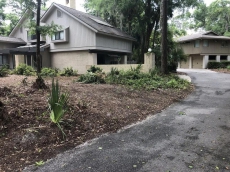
(49,72)
(24,69)
(57,104)
(4,71)
(68,72)
(138,80)
(228,67)
(94,69)
(90,77)
(216,65)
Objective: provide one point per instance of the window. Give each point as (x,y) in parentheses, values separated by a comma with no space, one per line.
(3,60)
(21,29)
(197,43)
(58,36)
(59,14)
(212,58)
(224,43)
(31,37)
(205,43)
(223,58)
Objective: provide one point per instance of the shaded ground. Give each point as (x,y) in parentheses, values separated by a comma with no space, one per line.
(27,136)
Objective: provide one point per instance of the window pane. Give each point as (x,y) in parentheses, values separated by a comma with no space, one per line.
(62,35)
(197,43)
(53,37)
(28,60)
(5,60)
(57,36)
(205,43)
(0,59)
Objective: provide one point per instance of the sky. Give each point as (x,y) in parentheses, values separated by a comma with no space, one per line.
(79,3)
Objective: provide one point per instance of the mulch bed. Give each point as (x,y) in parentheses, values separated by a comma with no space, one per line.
(221,70)
(28,136)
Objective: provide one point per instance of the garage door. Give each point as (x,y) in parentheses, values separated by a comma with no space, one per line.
(184,65)
(197,62)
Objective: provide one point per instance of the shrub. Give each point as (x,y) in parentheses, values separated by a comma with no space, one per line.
(57,103)
(94,69)
(228,67)
(49,72)
(134,78)
(68,72)
(90,77)
(4,71)
(93,75)
(24,69)
(216,65)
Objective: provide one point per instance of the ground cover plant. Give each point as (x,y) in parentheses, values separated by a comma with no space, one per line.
(27,135)
(24,69)
(4,71)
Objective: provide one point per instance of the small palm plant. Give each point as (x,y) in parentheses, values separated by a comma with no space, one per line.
(57,103)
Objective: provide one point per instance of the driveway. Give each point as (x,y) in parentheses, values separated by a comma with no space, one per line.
(192,135)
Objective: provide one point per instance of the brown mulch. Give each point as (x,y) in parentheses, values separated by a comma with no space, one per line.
(27,135)
(221,70)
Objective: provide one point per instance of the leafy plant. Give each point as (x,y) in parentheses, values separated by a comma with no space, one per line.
(39,163)
(57,103)
(49,72)
(4,71)
(228,67)
(90,77)
(68,72)
(24,69)
(138,80)
(94,69)
(93,75)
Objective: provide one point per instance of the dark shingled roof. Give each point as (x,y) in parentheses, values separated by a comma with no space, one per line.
(12,40)
(86,18)
(206,35)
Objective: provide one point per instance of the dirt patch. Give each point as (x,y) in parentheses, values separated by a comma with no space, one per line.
(28,136)
(221,70)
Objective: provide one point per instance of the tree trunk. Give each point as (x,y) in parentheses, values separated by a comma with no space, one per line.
(38,38)
(163,18)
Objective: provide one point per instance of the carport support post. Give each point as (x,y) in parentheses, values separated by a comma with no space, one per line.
(218,58)
(205,61)
(190,62)
(228,58)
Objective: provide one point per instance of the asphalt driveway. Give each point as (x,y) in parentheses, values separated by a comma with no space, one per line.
(192,135)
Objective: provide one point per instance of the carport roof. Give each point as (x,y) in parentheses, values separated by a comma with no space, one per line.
(12,40)
(24,49)
(206,35)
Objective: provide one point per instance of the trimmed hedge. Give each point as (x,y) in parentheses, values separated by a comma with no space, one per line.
(216,65)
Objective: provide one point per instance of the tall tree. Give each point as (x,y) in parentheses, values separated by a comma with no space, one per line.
(140,18)
(164,28)
(215,17)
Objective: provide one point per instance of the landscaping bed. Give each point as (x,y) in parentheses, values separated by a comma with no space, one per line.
(27,135)
(222,70)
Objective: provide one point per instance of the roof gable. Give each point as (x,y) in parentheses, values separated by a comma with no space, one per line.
(92,22)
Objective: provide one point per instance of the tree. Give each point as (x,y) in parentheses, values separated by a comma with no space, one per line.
(215,17)
(139,18)
(164,28)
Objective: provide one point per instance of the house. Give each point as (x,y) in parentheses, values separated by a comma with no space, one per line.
(82,41)
(202,48)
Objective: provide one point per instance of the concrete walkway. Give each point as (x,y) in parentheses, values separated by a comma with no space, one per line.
(192,135)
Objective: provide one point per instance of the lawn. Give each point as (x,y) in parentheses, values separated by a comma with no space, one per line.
(27,134)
